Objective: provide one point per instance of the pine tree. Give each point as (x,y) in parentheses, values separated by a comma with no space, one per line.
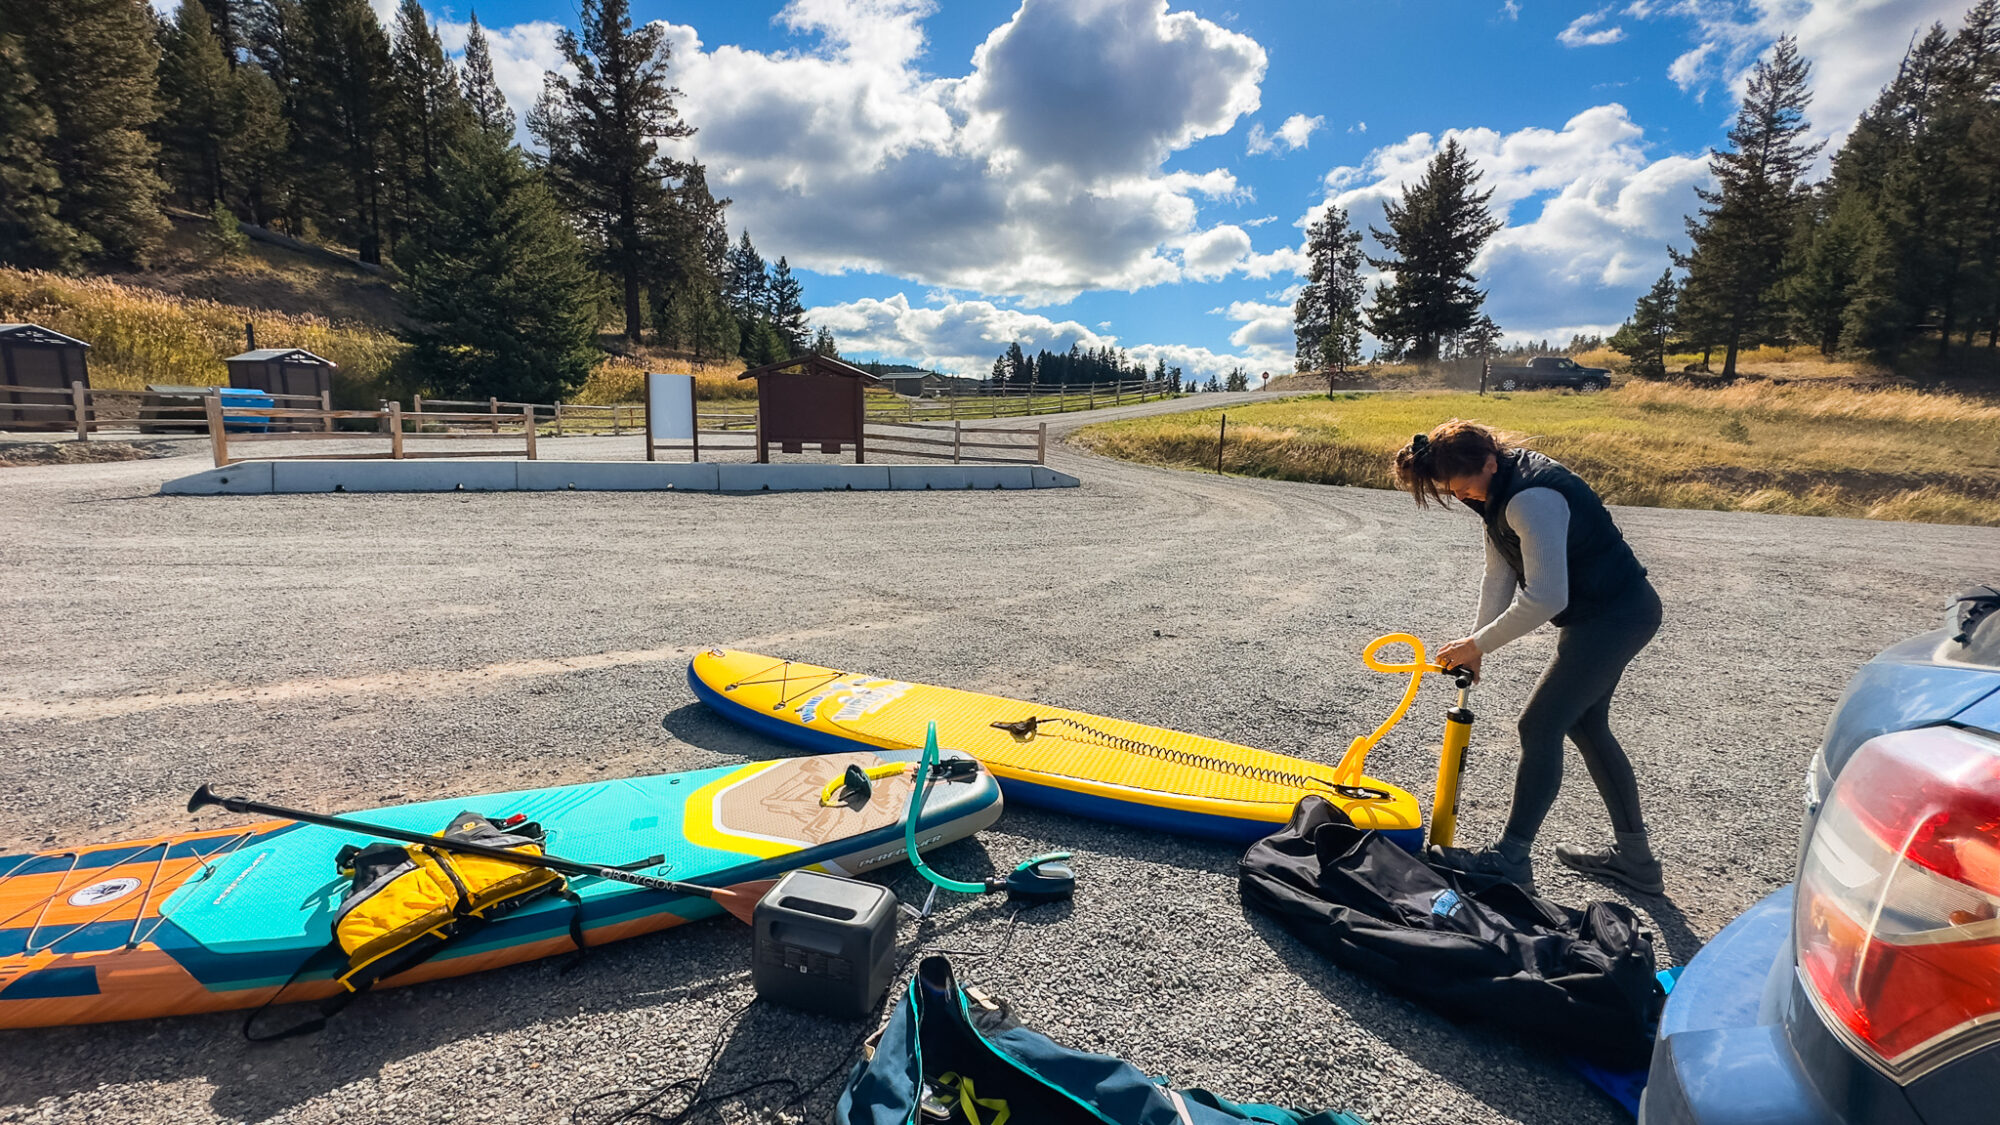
(482,90)
(426,111)
(31,233)
(257,151)
(1020,369)
(1327,316)
(222,23)
(1480,339)
(199,105)
(746,283)
(602,130)
(1739,239)
(498,285)
(1435,231)
(94,65)
(1643,338)
(337,76)
(1826,267)
(788,311)
(823,343)
(1239,380)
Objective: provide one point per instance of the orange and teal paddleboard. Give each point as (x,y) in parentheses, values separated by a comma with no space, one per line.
(224,917)
(1105,769)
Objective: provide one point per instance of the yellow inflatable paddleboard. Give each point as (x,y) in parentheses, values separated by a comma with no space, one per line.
(1105,769)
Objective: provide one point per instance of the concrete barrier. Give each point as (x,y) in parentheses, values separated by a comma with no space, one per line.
(802,478)
(617,476)
(394,476)
(254,477)
(251,478)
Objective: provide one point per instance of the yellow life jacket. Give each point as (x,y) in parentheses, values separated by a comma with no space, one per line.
(409,900)
(406,903)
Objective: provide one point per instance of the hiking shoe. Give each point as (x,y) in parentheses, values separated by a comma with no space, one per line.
(1485,863)
(1642,876)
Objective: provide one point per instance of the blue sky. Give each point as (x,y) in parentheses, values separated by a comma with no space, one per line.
(947,177)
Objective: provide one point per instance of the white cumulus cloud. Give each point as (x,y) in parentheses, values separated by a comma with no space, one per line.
(1037,174)
(1293,134)
(1589,211)
(964,336)
(1583,31)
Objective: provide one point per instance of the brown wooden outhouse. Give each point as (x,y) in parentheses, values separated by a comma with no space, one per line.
(809,399)
(281,371)
(33,356)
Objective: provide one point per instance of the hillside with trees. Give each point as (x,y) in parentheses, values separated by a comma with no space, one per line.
(310,120)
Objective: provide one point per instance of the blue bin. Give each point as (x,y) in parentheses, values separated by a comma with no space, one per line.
(249,400)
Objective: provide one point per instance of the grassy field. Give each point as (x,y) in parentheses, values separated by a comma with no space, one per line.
(1797,448)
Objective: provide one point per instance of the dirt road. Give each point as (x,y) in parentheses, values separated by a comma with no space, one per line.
(346,651)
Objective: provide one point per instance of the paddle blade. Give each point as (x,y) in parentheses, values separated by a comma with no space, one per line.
(741,900)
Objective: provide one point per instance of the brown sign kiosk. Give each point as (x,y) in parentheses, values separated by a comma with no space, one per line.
(809,398)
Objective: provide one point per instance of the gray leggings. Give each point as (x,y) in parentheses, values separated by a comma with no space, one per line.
(1574,699)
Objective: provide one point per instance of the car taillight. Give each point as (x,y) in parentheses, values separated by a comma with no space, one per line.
(1898,911)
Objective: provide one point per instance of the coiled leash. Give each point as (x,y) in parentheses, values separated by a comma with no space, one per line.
(1028,728)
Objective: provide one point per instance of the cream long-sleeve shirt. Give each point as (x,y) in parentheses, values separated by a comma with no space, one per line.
(1510,605)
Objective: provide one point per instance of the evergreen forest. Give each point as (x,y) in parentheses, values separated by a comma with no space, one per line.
(311,119)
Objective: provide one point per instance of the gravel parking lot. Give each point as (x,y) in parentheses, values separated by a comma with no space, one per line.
(340,652)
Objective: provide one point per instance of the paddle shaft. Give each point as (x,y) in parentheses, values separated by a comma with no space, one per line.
(204,797)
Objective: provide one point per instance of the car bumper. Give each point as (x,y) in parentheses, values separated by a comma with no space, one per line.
(1715,1063)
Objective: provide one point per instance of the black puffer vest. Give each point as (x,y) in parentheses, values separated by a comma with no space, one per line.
(1603,572)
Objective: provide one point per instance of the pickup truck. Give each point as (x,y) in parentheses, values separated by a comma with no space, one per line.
(1550,371)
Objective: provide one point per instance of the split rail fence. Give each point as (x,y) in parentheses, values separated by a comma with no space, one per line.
(964,445)
(89,410)
(399,427)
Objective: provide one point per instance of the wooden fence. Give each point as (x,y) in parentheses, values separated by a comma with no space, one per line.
(710,423)
(395,425)
(86,410)
(881,439)
(90,409)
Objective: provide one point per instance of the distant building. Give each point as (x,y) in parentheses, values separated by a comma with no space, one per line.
(915,384)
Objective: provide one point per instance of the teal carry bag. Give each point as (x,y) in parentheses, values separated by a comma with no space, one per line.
(947,1057)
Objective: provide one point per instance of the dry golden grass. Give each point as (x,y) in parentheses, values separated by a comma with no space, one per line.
(139,336)
(622,378)
(1801,449)
(142,334)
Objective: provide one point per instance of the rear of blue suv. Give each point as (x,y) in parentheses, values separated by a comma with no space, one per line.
(1869,989)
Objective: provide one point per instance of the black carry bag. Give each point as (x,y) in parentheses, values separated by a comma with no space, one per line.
(1579,980)
(952,1056)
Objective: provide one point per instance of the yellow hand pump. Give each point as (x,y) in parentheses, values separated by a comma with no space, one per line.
(1457,731)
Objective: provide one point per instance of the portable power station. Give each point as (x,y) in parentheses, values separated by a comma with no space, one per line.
(824,944)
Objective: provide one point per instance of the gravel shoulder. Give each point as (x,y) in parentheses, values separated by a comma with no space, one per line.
(339,652)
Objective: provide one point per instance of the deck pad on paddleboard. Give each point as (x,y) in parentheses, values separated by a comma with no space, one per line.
(221,918)
(1108,769)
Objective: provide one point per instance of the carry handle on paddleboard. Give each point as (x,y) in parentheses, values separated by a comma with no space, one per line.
(738,901)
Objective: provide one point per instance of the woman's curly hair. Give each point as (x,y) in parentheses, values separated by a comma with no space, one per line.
(1457,448)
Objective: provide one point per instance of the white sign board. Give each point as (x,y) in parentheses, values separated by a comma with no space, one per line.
(670,406)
